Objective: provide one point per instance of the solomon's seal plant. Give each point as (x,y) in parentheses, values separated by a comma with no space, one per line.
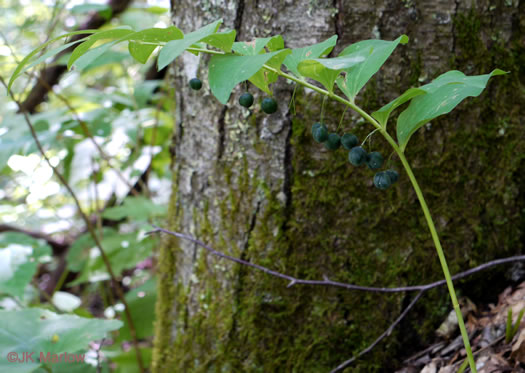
(261,63)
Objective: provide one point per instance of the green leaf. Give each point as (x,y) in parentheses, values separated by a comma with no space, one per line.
(263,78)
(144,91)
(38,330)
(25,61)
(313,51)
(256,46)
(135,209)
(222,40)
(326,70)
(174,48)
(124,250)
(141,51)
(19,259)
(107,58)
(141,303)
(226,71)
(82,49)
(377,52)
(382,114)
(443,94)
(126,362)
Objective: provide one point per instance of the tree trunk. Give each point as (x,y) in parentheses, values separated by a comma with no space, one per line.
(257,187)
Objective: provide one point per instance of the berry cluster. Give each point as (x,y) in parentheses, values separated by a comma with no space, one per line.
(268,105)
(356,155)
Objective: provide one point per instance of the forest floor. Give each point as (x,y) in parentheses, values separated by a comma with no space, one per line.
(494,349)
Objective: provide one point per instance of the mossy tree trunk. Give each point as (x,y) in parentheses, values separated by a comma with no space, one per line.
(255,186)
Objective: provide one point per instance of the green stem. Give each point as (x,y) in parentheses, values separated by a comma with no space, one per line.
(419,194)
(415,185)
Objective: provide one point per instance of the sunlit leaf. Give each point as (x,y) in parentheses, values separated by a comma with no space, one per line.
(222,40)
(38,330)
(256,46)
(443,94)
(226,71)
(311,52)
(135,209)
(174,48)
(82,49)
(382,114)
(19,259)
(109,57)
(263,78)
(66,302)
(141,51)
(26,60)
(326,70)
(376,53)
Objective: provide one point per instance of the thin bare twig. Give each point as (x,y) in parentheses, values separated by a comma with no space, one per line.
(327,282)
(385,334)
(89,226)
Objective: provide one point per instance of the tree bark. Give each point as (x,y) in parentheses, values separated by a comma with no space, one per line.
(257,187)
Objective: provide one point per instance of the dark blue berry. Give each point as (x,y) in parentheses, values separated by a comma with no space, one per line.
(357,156)
(320,133)
(393,175)
(269,105)
(195,84)
(315,126)
(349,140)
(246,99)
(382,180)
(333,142)
(374,160)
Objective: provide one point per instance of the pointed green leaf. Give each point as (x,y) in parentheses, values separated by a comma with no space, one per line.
(263,78)
(19,259)
(174,48)
(226,71)
(38,330)
(93,54)
(256,46)
(276,43)
(378,52)
(20,68)
(141,51)
(312,51)
(135,209)
(382,114)
(222,40)
(115,33)
(326,70)
(443,94)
